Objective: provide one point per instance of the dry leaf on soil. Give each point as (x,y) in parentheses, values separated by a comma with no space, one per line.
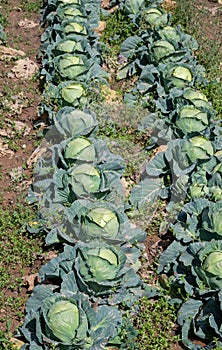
(25,68)
(30,281)
(105,4)
(7,53)
(16,343)
(109,95)
(169,5)
(159,149)
(26,23)
(18,126)
(113,9)
(38,152)
(5,151)
(212,10)
(100,28)
(16,102)
(22,127)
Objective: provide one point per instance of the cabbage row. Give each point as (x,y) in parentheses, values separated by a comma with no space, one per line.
(188,173)
(84,293)
(71,54)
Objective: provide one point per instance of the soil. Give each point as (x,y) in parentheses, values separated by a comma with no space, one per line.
(23,93)
(19,100)
(16,150)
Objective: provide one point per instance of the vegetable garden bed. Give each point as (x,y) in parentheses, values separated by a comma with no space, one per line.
(131,95)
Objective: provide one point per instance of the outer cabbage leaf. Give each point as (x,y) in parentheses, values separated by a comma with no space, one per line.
(96,269)
(201,319)
(191,119)
(67,320)
(86,220)
(70,122)
(198,220)
(188,269)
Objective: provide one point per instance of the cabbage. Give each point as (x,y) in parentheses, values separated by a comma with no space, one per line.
(70,93)
(101,222)
(192,119)
(162,49)
(79,149)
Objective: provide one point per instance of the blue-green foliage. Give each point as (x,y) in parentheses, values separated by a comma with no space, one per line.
(79,193)
(77,188)
(71,57)
(195,270)
(169,175)
(187,168)
(67,321)
(106,273)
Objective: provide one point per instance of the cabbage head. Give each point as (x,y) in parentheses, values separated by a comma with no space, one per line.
(84,179)
(161,49)
(210,271)
(101,222)
(67,320)
(192,119)
(199,221)
(199,147)
(86,220)
(72,28)
(70,13)
(213,264)
(197,98)
(70,66)
(80,149)
(198,186)
(71,93)
(212,218)
(67,46)
(96,269)
(195,268)
(155,17)
(181,76)
(169,33)
(71,122)
(63,320)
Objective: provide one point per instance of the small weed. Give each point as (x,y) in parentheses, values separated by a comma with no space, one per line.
(156,325)
(217,344)
(5,336)
(213,91)
(118,28)
(118,125)
(31,5)
(17,252)
(3,20)
(149,217)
